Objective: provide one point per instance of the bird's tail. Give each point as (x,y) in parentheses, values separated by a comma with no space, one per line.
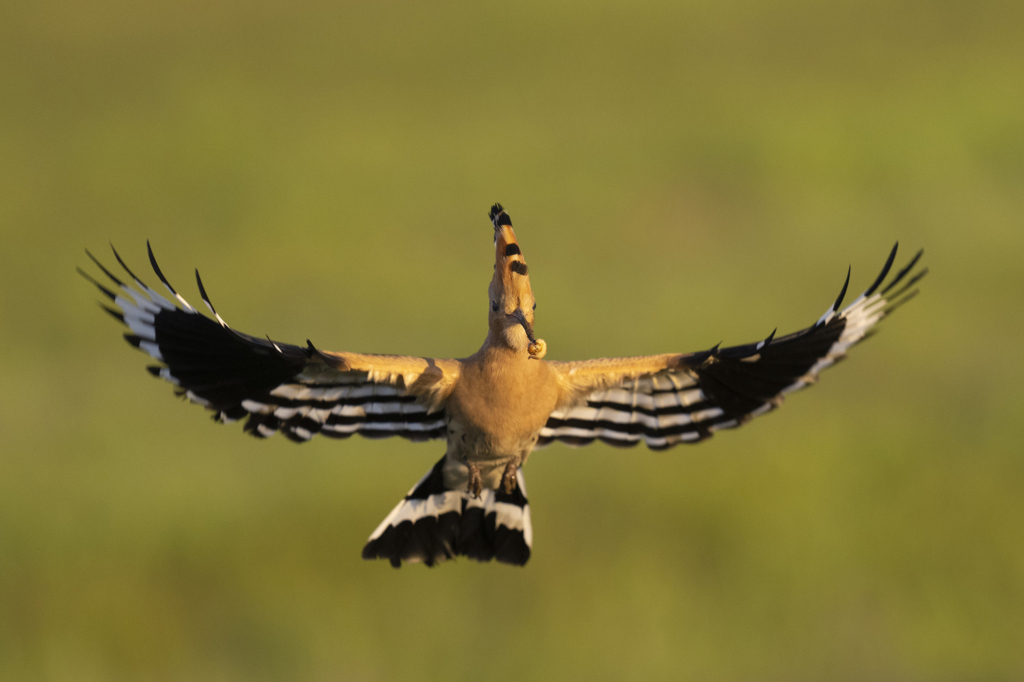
(434,523)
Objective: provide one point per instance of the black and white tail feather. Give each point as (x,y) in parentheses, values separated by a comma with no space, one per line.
(433,523)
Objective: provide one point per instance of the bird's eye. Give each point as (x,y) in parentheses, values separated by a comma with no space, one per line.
(534,305)
(494,306)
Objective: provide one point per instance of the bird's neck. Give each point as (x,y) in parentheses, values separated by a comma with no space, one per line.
(512,338)
(497,349)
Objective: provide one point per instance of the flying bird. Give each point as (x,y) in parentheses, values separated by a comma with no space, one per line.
(492,408)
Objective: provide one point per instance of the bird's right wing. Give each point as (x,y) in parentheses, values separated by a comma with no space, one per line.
(300,391)
(664,400)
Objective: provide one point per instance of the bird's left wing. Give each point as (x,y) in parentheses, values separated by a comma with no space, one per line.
(664,400)
(300,391)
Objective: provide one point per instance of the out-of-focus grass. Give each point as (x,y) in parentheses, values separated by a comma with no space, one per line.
(680,173)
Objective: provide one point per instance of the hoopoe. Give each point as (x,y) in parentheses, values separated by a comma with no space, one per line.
(492,408)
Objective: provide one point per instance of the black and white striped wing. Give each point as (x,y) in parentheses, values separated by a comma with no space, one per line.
(686,398)
(274,386)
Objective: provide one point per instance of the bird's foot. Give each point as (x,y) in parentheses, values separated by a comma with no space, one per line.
(476,483)
(508,479)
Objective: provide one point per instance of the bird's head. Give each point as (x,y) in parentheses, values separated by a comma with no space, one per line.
(511,299)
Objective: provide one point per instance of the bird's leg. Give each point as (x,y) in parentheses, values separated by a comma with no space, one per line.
(475,481)
(508,479)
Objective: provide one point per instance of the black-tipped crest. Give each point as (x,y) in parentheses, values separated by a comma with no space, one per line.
(498,216)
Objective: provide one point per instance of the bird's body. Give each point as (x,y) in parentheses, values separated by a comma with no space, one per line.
(497,410)
(492,408)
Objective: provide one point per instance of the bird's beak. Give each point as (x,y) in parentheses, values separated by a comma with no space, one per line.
(521,318)
(536,349)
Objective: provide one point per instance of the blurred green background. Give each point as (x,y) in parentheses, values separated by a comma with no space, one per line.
(679,173)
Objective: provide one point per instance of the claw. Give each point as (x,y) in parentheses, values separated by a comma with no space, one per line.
(475,481)
(508,479)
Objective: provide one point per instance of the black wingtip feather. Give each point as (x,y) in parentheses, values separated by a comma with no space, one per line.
(105,271)
(202,292)
(126,269)
(903,273)
(113,313)
(917,278)
(156,269)
(910,283)
(106,292)
(913,294)
(842,294)
(885,271)
(272,343)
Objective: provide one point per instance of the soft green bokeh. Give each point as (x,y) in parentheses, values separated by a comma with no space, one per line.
(680,173)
